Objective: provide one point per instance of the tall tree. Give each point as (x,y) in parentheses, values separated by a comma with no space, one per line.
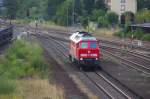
(64,13)
(31,8)
(112,17)
(100,4)
(88,6)
(52,7)
(143,4)
(11,8)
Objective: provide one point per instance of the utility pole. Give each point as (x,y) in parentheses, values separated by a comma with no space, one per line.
(73,12)
(67,19)
(88,25)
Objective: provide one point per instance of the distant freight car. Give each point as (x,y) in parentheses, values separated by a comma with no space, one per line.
(84,50)
(6,35)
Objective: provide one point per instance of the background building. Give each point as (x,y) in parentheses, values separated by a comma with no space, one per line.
(121,6)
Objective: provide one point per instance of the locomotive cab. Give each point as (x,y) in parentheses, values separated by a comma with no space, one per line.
(84,49)
(88,52)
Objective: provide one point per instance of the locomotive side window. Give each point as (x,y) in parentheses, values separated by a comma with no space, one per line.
(84,45)
(93,44)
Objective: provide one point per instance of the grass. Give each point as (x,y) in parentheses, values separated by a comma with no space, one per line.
(6,86)
(35,89)
(10,96)
(105,32)
(44,24)
(21,21)
(146,37)
(39,89)
(24,74)
(49,24)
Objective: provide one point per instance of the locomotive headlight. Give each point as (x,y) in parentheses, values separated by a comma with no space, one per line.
(81,59)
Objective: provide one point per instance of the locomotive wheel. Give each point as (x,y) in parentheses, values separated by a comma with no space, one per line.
(98,67)
(79,65)
(70,59)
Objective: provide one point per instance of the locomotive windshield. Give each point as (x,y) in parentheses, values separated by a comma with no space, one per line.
(84,45)
(88,45)
(93,44)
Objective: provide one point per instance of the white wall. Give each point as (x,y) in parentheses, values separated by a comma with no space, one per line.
(130,5)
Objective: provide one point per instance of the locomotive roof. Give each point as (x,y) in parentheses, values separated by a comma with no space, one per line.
(81,36)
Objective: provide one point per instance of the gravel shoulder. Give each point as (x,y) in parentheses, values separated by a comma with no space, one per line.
(61,78)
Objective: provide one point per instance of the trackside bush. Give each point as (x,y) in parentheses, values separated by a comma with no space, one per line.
(118,34)
(6,86)
(146,37)
(23,59)
(137,34)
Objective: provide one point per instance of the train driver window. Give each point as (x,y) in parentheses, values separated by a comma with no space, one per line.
(93,44)
(84,45)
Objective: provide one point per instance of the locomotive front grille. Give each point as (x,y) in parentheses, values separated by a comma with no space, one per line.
(89,61)
(85,55)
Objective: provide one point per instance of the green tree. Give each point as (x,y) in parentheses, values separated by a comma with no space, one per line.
(97,13)
(143,4)
(143,16)
(84,20)
(88,6)
(103,21)
(52,7)
(129,17)
(100,4)
(12,7)
(64,13)
(59,11)
(32,8)
(112,17)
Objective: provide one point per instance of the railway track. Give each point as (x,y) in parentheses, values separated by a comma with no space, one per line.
(131,52)
(140,63)
(107,87)
(127,44)
(110,89)
(47,37)
(64,33)
(137,62)
(128,68)
(53,46)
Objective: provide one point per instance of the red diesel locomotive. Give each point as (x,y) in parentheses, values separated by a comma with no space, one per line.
(84,49)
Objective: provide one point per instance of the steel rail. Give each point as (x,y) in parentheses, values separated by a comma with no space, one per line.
(96,84)
(128,63)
